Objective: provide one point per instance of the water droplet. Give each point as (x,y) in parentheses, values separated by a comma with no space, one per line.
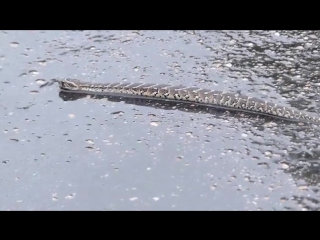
(155,124)
(189,134)
(16,129)
(244,135)
(284,166)
(133,199)
(302,188)
(22,75)
(283,199)
(89,148)
(54,197)
(70,196)
(267,153)
(42,63)
(34,72)
(89,141)
(156,199)
(34,92)
(213,187)
(40,81)
(71,115)
(118,112)
(136,68)
(5,161)
(14,44)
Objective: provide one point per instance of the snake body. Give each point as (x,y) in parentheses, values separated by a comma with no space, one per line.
(197,95)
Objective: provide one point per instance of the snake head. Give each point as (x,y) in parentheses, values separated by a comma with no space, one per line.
(69,84)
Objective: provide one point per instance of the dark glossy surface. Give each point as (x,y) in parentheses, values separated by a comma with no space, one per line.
(64,152)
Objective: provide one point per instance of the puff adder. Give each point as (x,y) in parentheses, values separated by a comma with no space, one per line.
(197,95)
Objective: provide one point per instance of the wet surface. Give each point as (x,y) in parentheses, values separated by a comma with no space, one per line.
(64,151)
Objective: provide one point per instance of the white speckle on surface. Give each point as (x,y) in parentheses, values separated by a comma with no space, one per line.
(14,44)
(70,196)
(155,124)
(54,196)
(284,166)
(267,153)
(89,141)
(40,81)
(244,135)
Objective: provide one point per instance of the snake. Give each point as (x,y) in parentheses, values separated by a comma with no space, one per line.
(197,95)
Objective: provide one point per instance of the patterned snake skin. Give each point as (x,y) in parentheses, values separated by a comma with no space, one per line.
(197,95)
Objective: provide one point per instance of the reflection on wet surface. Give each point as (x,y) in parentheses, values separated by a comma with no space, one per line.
(73,151)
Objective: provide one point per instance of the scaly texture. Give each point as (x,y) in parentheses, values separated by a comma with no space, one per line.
(189,94)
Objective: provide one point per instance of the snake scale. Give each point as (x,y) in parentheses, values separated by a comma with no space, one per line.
(196,95)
